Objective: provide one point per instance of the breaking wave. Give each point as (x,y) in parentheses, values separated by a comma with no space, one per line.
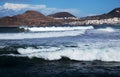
(56,53)
(45,32)
(40,35)
(108,29)
(56,28)
(106,51)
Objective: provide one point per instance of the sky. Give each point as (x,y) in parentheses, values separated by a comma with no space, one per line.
(79,8)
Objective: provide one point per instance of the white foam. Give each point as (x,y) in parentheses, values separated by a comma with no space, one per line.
(2,47)
(56,28)
(108,29)
(88,54)
(32,50)
(40,35)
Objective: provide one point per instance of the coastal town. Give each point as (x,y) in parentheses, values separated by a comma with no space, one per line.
(114,20)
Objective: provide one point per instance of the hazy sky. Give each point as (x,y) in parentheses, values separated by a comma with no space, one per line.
(77,7)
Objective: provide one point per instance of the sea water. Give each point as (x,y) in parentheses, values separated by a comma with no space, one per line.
(78,51)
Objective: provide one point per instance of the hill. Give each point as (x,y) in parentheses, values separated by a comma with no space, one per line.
(114,13)
(61,15)
(30,17)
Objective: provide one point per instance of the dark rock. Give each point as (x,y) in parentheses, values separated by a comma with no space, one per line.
(115,12)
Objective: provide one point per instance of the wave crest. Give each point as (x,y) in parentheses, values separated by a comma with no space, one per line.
(107,54)
(56,28)
(40,35)
(108,29)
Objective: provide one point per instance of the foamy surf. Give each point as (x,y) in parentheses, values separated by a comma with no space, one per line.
(100,44)
(56,28)
(47,32)
(79,54)
(108,29)
(40,35)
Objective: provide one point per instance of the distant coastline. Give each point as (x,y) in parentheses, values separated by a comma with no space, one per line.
(34,18)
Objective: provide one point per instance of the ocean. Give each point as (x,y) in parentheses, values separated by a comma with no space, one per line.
(69,51)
